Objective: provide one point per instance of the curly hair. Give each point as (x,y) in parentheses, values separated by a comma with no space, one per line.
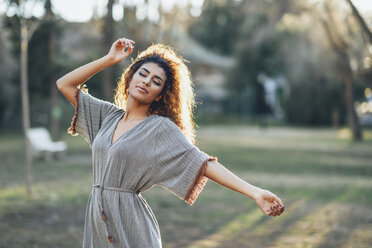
(177,99)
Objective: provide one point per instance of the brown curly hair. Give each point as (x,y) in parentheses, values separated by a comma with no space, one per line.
(177,99)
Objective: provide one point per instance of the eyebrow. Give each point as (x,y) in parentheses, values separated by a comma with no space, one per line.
(154,76)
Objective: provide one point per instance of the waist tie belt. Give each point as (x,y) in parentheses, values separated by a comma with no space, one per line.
(100,203)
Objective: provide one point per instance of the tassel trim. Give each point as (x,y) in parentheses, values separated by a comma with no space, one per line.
(72,129)
(198,183)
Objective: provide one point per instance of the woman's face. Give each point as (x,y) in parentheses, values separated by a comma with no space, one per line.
(147,83)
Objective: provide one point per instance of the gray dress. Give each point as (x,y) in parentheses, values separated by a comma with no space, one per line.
(154,152)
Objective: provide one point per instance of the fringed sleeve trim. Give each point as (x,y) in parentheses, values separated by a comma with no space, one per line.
(199,182)
(72,129)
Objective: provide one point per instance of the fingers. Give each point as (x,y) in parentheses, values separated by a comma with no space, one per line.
(131,48)
(280,206)
(268,212)
(278,201)
(127,44)
(124,42)
(270,204)
(275,210)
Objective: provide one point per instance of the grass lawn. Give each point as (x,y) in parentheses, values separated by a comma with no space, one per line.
(324,180)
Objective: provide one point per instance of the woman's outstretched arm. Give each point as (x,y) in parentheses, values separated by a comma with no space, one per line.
(268,202)
(68,83)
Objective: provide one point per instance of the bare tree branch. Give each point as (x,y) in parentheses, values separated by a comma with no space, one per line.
(337,37)
(361,21)
(341,49)
(329,35)
(34,26)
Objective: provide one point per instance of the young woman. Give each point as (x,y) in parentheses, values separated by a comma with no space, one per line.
(145,139)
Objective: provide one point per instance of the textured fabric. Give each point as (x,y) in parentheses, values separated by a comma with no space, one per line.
(154,152)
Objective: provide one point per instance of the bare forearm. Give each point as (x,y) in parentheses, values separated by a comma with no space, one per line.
(68,83)
(218,173)
(269,203)
(83,73)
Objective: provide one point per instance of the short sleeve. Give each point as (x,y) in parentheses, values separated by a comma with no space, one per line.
(181,165)
(90,113)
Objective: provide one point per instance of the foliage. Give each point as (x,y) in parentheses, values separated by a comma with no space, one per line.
(224,28)
(315,93)
(252,60)
(218,26)
(277,39)
(40,69)
(315,104)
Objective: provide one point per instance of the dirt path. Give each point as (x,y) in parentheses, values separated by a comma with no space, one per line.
(303,225)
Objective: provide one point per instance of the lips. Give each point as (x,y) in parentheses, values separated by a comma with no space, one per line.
(142,89)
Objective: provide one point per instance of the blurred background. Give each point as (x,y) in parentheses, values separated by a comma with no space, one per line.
(284,100)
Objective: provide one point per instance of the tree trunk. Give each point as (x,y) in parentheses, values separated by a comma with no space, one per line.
(340,47)
(55,109)
(347,78)
(25,104)
(108,39)
(335,118)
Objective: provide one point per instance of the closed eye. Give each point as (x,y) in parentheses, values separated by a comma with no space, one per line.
(156,82)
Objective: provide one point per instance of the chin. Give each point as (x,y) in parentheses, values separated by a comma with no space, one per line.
(141,98)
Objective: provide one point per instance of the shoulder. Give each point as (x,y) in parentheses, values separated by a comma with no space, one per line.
(97,104)
(165,123)
(169,136)
(165,126)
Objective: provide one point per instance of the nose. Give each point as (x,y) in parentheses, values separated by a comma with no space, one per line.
(147,80)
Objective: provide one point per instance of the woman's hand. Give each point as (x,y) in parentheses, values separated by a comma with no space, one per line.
(269,203)
(120,50)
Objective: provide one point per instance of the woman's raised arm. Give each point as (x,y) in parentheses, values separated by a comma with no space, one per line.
(68,83)
(268,202)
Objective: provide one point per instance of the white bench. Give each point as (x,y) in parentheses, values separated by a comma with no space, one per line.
(42,145)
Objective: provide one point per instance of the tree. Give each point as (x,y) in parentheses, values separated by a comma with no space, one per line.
(40,67)
(26,34)
(8,66)
(367,74)
(50,24)
(340,46)
(219,25)
(107,39)
(361,21)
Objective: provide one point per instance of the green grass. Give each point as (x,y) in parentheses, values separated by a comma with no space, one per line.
(324,179)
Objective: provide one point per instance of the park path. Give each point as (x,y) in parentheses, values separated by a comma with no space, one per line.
(303,225)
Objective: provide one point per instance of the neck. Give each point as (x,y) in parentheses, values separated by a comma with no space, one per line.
(135,110)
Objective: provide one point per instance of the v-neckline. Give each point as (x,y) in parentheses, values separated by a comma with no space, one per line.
(129,130)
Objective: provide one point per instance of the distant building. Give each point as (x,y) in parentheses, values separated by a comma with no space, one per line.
(208,70)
